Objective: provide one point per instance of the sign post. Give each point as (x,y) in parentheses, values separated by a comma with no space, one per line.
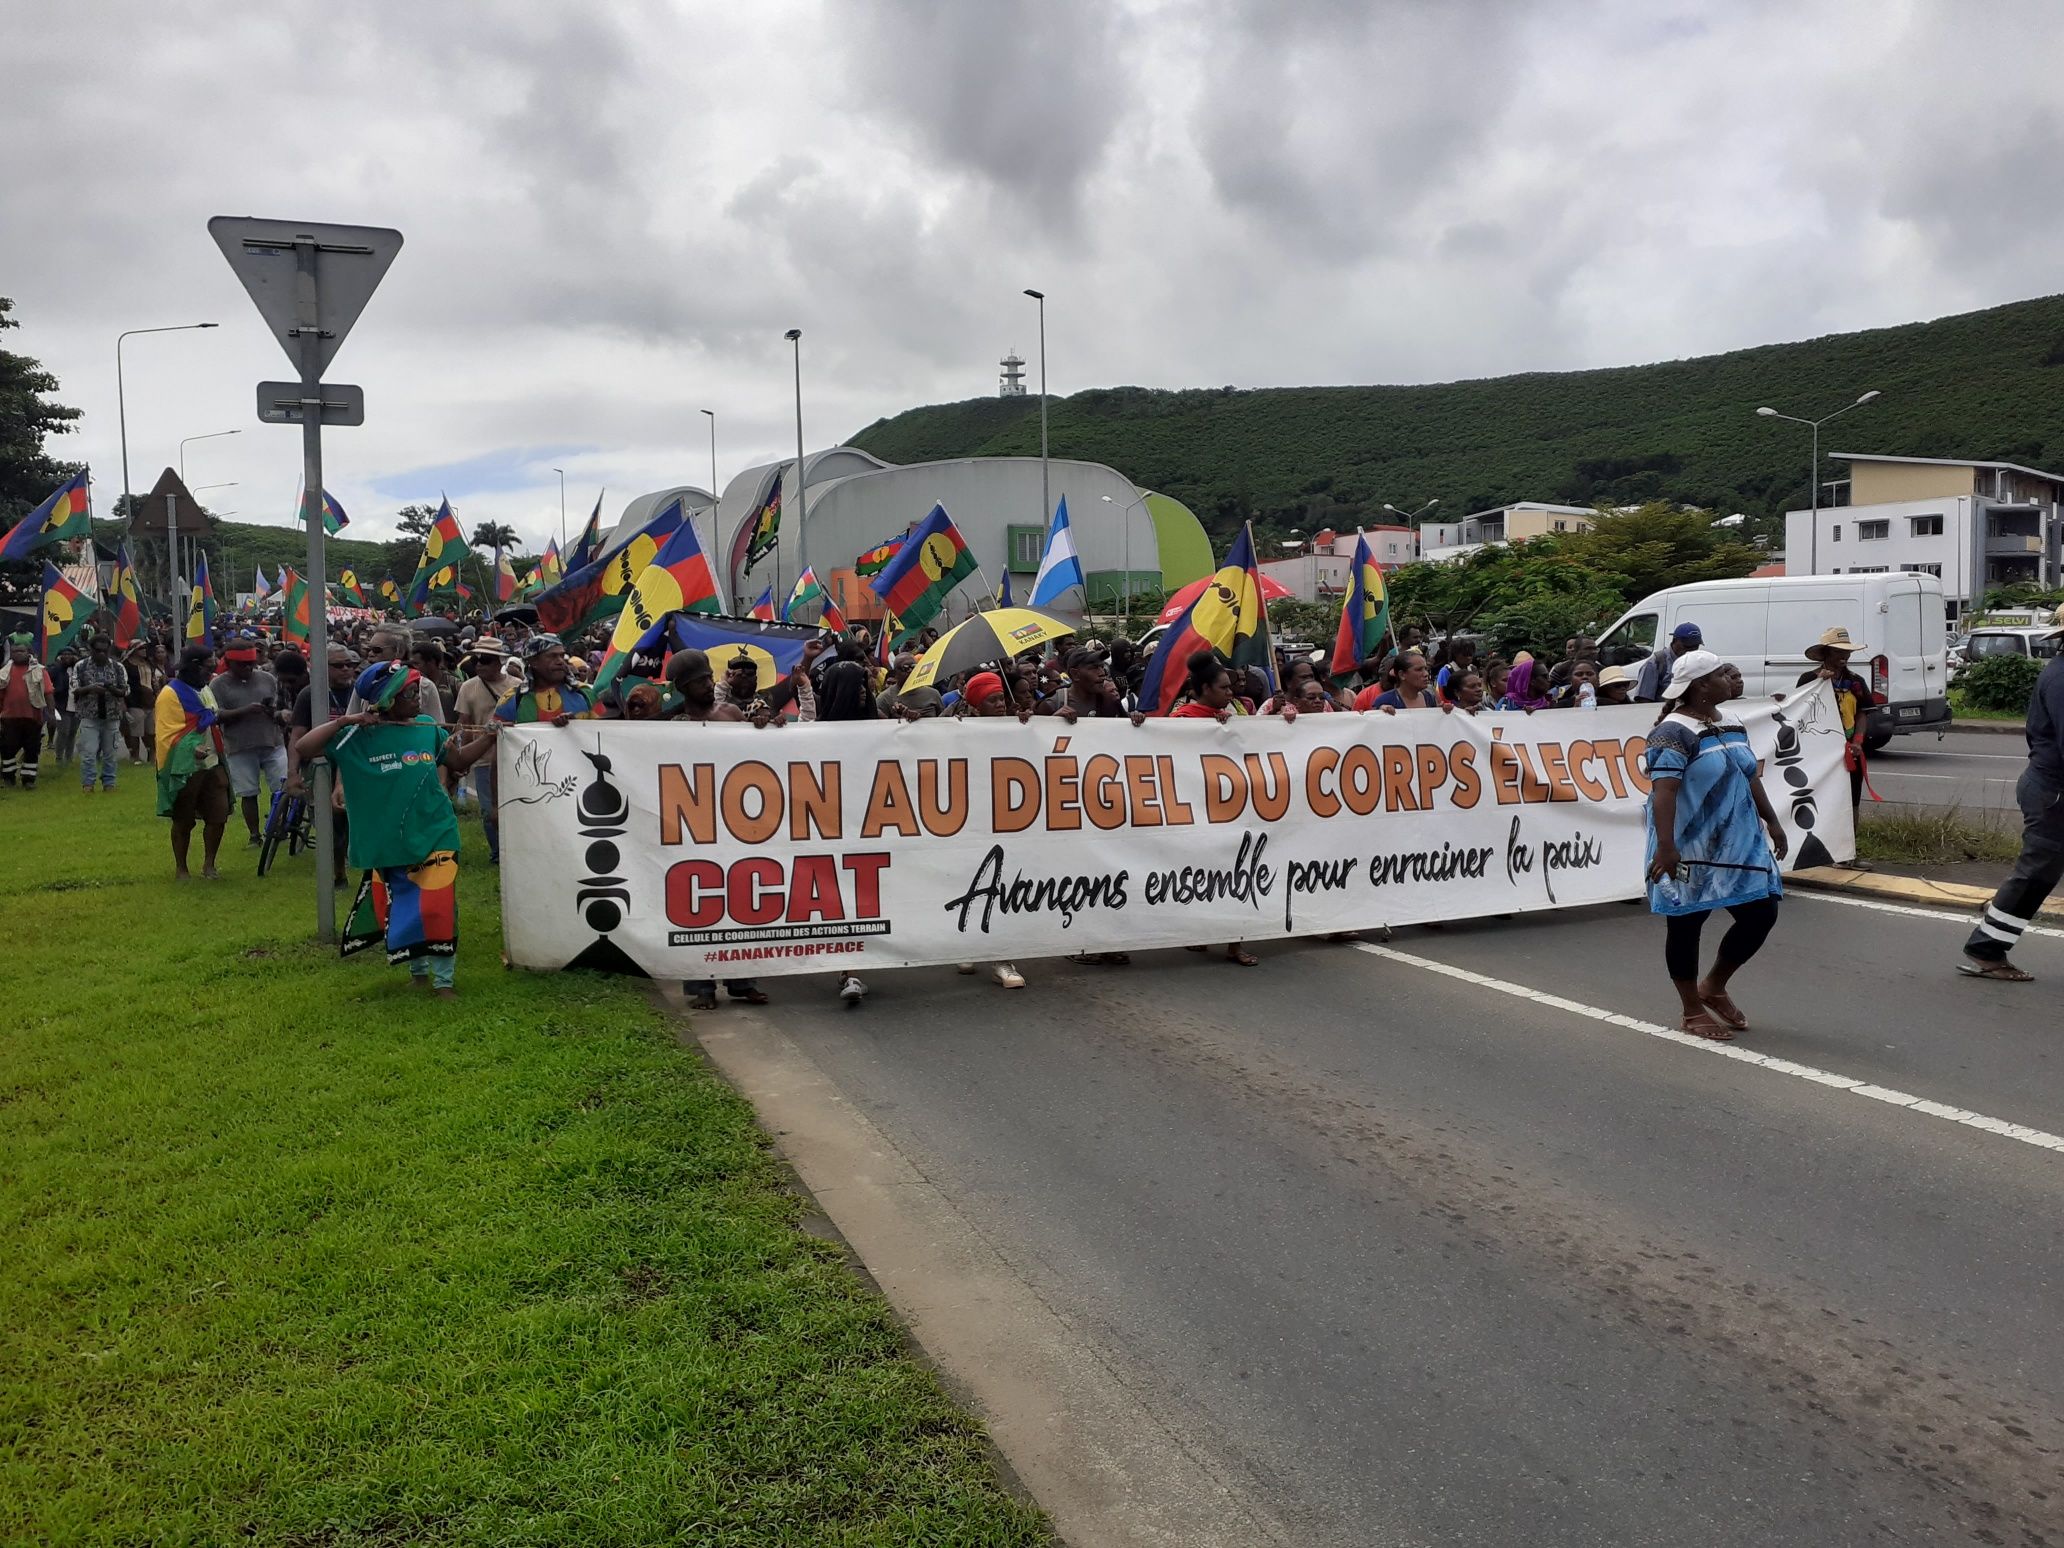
(310,281)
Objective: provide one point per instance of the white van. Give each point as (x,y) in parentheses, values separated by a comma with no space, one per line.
(1764,626)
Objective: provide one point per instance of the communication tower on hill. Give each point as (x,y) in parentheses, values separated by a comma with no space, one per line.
(1012,383)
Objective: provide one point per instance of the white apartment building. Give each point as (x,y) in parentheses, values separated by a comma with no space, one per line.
(1441,541)
(1975,524)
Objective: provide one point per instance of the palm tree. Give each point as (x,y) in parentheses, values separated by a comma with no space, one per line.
(488,535)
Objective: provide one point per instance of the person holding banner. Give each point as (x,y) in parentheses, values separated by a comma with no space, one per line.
(1714,839)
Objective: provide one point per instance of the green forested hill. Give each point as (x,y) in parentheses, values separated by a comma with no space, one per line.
(1984,384)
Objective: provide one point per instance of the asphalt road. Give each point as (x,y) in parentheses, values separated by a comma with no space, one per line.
(1974,770)
(1417,1260)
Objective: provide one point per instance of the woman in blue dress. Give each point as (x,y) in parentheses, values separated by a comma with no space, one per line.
(1713,839)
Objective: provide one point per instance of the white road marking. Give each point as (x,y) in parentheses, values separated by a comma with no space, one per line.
(2039,1138)
(1962,921)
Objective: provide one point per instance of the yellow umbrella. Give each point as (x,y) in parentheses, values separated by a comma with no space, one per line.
(996,635)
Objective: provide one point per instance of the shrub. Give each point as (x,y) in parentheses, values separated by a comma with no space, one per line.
(2000,682)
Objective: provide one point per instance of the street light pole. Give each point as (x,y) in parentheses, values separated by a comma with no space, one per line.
(562,512)
(1045,493)
(1125,520)
(122,414)
(802,524)
(1813,472)
(211,435)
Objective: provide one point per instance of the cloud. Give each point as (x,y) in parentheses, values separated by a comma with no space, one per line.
(613,212)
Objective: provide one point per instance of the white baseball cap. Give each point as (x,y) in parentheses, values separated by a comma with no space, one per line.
(1688,669)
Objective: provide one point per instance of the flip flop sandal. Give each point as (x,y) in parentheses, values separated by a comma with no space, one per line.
(1725,1010)
(1707,1028)
(1240,958)
(2000,972)
(1101,958)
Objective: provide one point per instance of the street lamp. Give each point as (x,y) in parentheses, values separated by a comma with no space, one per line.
(1125,520)
(802,527)
(1045,494)
(562,513)
(122,413)
(1813,472)
(211,435)
(1411,518)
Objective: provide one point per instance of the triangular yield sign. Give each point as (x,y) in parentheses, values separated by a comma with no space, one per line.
(350,262)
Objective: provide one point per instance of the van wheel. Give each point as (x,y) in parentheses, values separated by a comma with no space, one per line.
(1877,743)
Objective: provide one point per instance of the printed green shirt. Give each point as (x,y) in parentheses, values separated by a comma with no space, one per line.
(399,812)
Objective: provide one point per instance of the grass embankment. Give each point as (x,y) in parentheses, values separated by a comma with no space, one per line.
(1924,837)
(298,1255)
(1959,709)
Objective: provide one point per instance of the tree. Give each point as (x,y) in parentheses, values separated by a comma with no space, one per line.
(415,520)
(27,417)
(488,535)
(27,473)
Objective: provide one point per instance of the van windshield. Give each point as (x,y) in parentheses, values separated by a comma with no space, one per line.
(1628,641)
(1998,645)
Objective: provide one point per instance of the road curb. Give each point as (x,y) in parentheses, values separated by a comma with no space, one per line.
(1988,727)
(1903,889)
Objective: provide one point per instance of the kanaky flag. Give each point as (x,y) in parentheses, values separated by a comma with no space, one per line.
(64,515)
(353,592)
(294,620)
(884,647)
(1364,613)
(764,526)
(678,580)
(930,564)
(390,590)
(877,558)
(125,599)
(548,571)
(444,546)
(596,593)
(1228,617)
(764,608)
(65,611)
(260,587)
(505,577)
(334,520)
(200,608)
(587,548)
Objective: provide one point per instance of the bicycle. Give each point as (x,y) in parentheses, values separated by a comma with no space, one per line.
(289,821)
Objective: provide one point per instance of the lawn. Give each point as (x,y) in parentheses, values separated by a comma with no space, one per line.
(298,1255)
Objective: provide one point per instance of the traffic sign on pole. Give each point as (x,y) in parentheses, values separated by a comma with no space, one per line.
(354,259)
(280,403)
(310,281)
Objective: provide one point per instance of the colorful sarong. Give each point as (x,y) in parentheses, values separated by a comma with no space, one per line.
(412,909)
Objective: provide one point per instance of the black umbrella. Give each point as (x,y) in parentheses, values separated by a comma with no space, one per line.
(436,623)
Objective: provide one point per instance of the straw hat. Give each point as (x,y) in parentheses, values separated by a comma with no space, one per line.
(1835,639)
(1614,674)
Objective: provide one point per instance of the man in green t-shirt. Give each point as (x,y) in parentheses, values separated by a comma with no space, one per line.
(404,833)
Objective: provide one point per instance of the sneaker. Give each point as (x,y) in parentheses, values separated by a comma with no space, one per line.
(851,990)
(1007,974)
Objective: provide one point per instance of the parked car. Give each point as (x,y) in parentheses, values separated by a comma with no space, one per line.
(2042,640)
(1764,626)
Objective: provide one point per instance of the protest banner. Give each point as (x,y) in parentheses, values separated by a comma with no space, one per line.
(685,850)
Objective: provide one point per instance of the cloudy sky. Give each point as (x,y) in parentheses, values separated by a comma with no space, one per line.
(614,210)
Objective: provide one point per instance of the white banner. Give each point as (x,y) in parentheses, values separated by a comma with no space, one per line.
(691,851)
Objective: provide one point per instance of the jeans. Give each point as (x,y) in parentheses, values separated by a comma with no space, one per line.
(441,971)
(62,731)
(2035,876)
(100,745)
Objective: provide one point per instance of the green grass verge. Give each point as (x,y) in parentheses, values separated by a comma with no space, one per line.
(297,1255)
(1922,837)
(1960,710)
